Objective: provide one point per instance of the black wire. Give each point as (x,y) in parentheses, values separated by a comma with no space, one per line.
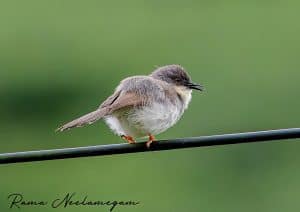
(114,149)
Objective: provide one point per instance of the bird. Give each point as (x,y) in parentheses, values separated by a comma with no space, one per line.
(144,106)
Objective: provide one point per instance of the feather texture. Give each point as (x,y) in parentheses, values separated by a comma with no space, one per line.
(143,105)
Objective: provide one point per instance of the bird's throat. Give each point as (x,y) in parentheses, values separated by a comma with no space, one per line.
(185,94)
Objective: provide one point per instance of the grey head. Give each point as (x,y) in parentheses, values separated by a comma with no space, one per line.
(175,75)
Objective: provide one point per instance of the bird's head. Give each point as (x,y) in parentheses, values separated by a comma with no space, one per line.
(176,75)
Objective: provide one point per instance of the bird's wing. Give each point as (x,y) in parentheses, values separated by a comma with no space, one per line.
(115,102)
(121,100)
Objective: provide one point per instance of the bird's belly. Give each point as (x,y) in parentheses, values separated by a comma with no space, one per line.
(141,121)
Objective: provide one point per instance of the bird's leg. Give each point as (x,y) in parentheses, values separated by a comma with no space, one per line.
(151,139)
(129,139)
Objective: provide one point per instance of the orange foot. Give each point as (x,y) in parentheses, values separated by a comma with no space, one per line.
(129,139)
(151,139)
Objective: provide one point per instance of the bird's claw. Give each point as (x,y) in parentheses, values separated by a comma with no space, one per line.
(129,139)
(150,141)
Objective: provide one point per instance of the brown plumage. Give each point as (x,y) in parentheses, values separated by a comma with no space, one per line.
(111,104)
(144,105)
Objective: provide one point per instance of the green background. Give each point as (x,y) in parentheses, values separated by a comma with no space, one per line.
(61,59)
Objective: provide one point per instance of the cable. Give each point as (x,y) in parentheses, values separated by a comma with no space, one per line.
(114,149)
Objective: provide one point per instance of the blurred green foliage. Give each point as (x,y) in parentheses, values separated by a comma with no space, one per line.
(60,59)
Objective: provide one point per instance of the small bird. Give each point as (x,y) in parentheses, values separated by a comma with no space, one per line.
(144,106)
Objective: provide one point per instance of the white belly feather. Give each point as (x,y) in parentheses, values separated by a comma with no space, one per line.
(142,121)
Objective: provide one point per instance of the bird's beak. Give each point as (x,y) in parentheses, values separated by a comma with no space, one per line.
(195,86)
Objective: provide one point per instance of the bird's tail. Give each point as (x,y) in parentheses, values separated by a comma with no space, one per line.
(84,120)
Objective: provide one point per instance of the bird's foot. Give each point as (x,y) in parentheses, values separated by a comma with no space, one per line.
(151,139)
(129,139)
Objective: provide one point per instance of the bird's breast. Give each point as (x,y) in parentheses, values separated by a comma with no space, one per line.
(155,118)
